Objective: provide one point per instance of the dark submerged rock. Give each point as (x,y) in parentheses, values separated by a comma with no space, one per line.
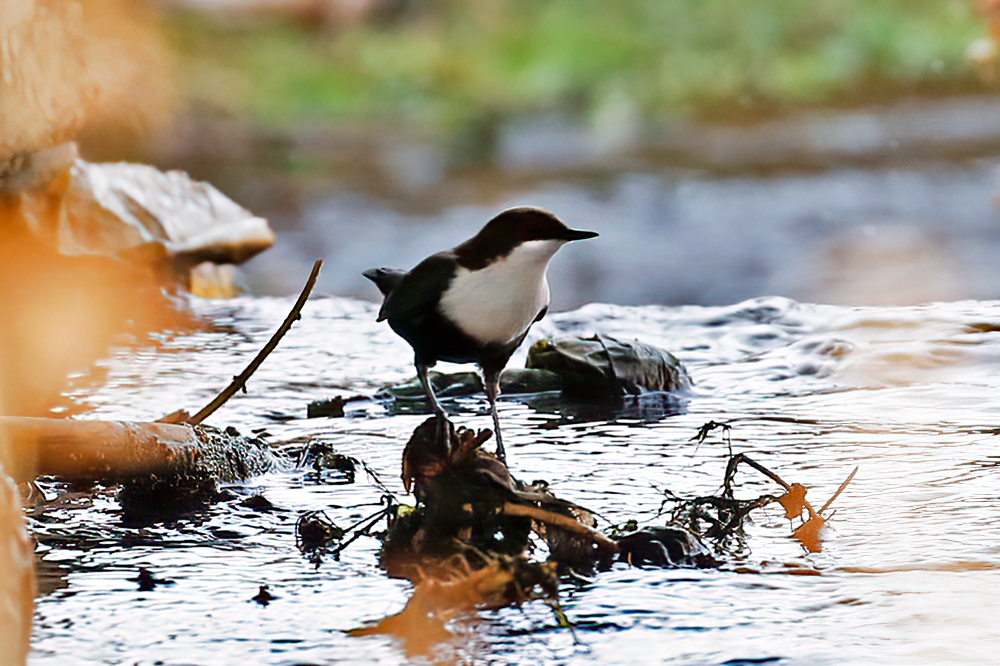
(669,546)
(263,596)
(595,368)
(259,503)
(147,581)
(513,381)
(190,477)
(331,407)
(603,366)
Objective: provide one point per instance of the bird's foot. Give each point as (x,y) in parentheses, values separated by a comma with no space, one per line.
(443,429)
(501,455)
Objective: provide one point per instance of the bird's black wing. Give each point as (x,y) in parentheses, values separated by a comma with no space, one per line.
(416,294)
(541,314)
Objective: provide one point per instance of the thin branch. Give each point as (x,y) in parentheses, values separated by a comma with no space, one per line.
(359,531)
(559,520)
(839,490)
(741,458)
(240,380)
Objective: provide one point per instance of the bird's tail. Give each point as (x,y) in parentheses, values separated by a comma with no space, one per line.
(385,279)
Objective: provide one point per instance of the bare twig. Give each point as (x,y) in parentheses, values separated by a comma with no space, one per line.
(559,520)
(239,381)
(368,522)
(839,490)
(742,458)
(734,462)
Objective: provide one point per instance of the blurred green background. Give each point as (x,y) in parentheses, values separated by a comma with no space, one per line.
(447,63)
(807,149)
(831,151)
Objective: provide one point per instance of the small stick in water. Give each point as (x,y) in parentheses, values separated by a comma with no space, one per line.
(239,381)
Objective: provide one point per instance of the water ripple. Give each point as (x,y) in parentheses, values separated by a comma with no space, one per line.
(910,573)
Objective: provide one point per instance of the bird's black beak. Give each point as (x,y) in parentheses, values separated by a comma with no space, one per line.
(577,234)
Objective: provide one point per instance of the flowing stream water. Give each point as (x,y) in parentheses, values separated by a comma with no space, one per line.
(909,573)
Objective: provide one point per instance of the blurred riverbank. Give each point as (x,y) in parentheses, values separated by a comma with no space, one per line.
(882,205)
(841,154)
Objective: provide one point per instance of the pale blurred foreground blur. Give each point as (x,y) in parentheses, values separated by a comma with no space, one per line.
(88,252)
(98,67)
(17,576)
(17,581)
(65,67)
(61,66)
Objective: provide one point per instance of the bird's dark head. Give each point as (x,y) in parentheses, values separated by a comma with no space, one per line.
(512,228)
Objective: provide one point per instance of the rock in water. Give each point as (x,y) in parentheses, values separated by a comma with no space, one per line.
(605,366)
(122,209)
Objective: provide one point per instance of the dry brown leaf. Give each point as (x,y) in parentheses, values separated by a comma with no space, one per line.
(794,501)
(422,624)
(808,534)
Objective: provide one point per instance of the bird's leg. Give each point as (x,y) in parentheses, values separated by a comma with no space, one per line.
(442,420)
(492,381)
(429,389)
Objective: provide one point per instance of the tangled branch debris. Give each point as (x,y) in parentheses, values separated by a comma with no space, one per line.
(466,543)
(720,518)
(239,382)
(316,535)
(469,504)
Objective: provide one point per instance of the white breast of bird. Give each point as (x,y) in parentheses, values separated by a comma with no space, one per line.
(498,303)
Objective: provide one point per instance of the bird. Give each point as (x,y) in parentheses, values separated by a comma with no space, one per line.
(475,302)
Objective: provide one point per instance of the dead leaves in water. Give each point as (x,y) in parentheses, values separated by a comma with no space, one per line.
(458,486)
(457,589)
(809,533)
(793,501)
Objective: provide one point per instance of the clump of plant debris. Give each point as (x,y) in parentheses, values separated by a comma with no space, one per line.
(467,542)
(469,504)
(719,519)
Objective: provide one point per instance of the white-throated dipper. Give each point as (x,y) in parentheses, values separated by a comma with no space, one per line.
(475,302)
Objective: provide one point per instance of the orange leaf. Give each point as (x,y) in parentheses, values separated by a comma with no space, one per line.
(422,625)
(808,534)
(794,500)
